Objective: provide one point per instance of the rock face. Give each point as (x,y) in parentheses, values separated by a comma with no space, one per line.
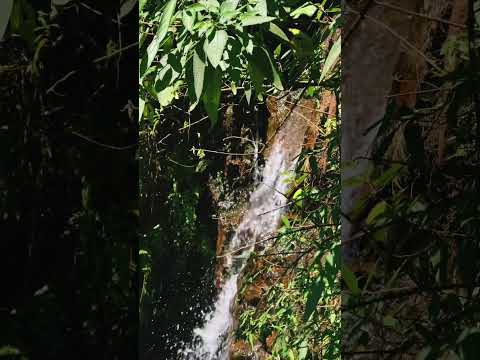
(383,56)
(294,124)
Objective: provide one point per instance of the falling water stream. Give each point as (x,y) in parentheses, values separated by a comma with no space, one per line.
(266,206)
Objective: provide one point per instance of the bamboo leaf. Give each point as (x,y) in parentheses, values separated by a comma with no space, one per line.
(277,81)
(377,211)
(276,30)
(141,107)
(332,58)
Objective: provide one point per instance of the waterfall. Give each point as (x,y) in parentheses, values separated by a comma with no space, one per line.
(266,206)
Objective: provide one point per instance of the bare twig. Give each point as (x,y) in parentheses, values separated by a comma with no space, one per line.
(425,16)
(112,147)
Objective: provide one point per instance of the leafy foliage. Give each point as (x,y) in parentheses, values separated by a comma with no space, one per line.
(68,178)
(218,60)
(229,44)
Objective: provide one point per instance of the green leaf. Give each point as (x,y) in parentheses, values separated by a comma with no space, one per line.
(228,6)
(214,48)
(211,5)
(166,96)
(60,2)
(188,19)
(277,81)
(276,30)
(285,221)
(389,321)
(250,20)
(377,211)
(141,107)
(302,43)
(350,280)
(5,10)
(303,352)
(332,58)
(313,298)
(165,21)
(261,66)
(127,7)
(424,353)
(308,10)
(198,74)
(291,354)
(211,96)
(388,176)
(261,7)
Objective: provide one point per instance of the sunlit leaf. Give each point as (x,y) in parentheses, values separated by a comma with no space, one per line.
(276,30)
(214,48)
(141,107)
(165,20)
(255,20)
(308,10)
(261,7)
(277,82)
(188,19)
(228,6)
(332,58)
(376,212)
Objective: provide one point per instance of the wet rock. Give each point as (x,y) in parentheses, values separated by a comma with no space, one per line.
(253,294)
(240,350)
(260,353)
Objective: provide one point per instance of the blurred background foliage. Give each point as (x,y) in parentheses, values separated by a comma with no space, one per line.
(415,291)
(69,180)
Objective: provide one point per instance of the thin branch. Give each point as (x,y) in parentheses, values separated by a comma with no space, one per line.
(114,53)
(112,147)
(425,16)
(405,42)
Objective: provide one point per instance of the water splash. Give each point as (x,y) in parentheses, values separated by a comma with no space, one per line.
(267,204)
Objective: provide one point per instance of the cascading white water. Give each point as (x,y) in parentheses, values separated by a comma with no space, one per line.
(267,204)
(266,207)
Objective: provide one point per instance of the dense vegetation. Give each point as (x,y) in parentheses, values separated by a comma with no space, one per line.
(206,69)
(68,199)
